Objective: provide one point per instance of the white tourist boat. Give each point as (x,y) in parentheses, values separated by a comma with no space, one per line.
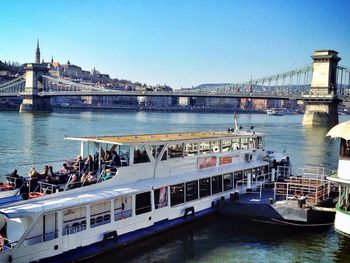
(342,177)
(275,112)
(164,180)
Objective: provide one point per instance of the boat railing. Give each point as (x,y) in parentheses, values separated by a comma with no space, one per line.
(266,177)
(312,190)
(75,228)
(121,214)
(100,219)
(47,188)
(257,182)
(241,183)
(7,244)
(315,172)
(41,238)
(69,181)
(284,171)
(15,182)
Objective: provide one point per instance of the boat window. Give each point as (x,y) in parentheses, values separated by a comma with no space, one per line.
(140,154)
(161,197)
(175,151)
(228,181)
(153,149)
(122,207)
(344,149)
(204,187)
(204,147)
(165,155)
(177,194)
(244,143)
(124,153)
(100,214)
(191,191)
(216,184)
(156,150)
(226,145)
(191,149)
(45,229)
(215,146)
(259,142)
(238,178)
(264,169)
(74,220)
(252,143)
(236,144)
(143,203)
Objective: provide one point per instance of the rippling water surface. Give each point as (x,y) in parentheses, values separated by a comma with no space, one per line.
(38,138)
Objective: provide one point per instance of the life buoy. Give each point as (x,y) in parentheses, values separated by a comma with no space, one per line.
(6,187)
(2,243)
(35,194)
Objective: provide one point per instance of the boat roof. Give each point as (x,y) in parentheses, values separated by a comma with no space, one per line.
(69,199)
(163,138)
(341,130)
(74,198)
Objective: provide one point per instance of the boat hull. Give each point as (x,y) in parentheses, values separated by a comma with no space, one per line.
(269,213)
(127,239)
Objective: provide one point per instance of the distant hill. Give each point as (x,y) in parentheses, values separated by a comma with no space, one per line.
(9,71)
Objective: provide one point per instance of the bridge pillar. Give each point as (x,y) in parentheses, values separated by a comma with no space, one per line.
(32,102)
(322,102)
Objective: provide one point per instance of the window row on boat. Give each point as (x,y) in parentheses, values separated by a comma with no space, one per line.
(80,218)
(143,153)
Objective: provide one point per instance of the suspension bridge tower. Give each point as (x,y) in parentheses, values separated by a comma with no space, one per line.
(322,102)
(32,102)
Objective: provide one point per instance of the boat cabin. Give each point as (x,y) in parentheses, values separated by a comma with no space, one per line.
(137,149)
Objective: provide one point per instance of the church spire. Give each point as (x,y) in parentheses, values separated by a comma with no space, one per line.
(37,52)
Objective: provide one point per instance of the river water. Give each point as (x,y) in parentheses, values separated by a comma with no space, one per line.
(38,138)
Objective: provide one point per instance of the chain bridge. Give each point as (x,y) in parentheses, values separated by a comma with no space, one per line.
(322,85)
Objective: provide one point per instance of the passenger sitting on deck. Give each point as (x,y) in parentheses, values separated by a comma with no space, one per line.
(50,172)
(115,160)
(45,172)
(74,182)
(79,164)
(107,174)
(48,179)
(33,174)
(14,174)
(89,164)
(296,194)
(64,170)
(33,182)
(13,179)
(84,177)
(107,157)
(91,178)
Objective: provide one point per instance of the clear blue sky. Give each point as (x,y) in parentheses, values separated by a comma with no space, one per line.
(179,43)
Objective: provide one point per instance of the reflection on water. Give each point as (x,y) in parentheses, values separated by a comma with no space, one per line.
(319,149)
(28,138)
(223,239)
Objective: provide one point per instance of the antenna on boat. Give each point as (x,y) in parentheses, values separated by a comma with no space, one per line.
(220,121)
(235,122)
